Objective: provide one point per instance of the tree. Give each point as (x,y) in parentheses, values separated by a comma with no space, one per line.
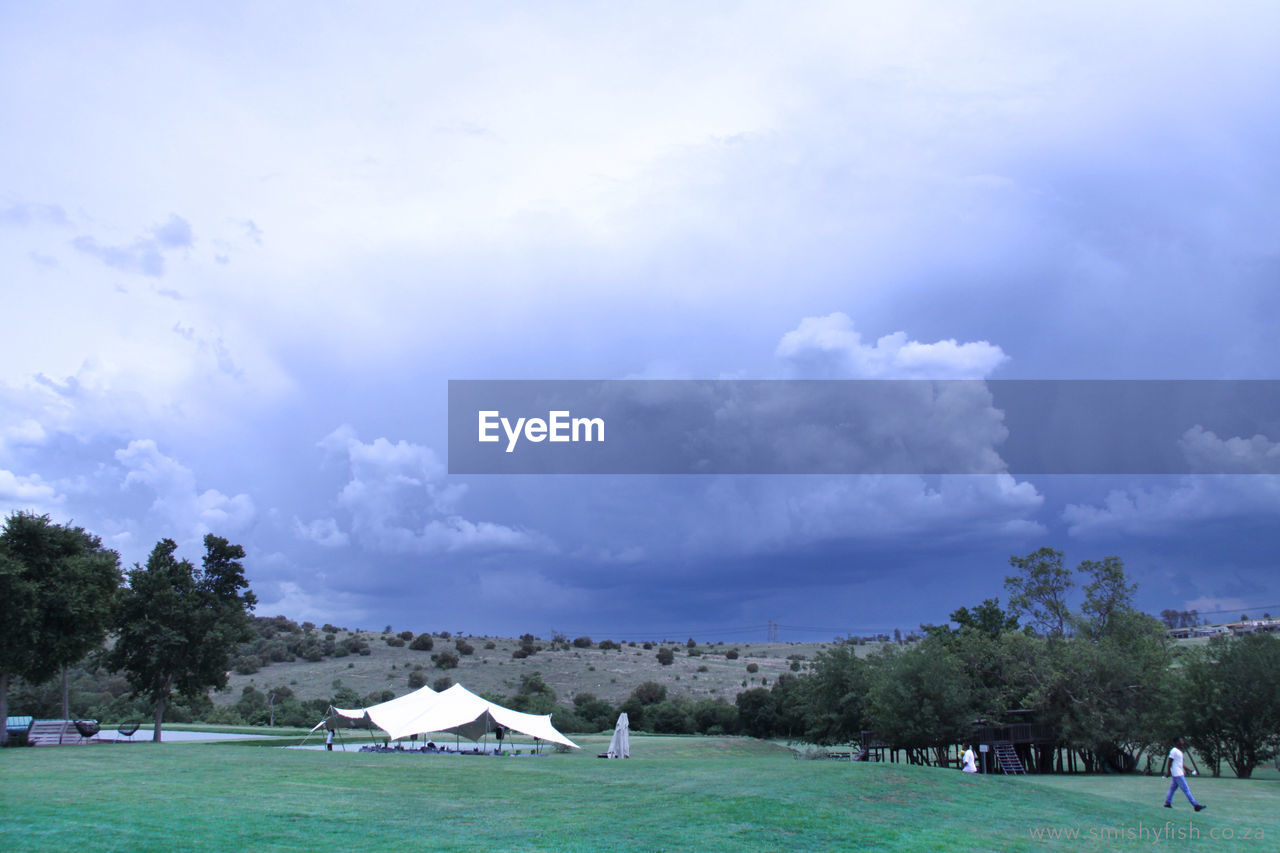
(1040,591)
(665,656)
(1231,700)
(834,694)
(178,626)
(1107,593)
(57,588)
(918,699)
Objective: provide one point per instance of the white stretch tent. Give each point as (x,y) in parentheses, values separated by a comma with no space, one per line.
(454,710)
(620,746)
(392,713)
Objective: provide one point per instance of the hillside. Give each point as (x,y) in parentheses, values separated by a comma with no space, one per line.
(609,674)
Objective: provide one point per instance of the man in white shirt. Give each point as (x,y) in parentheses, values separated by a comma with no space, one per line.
(969,761)
(1177,770)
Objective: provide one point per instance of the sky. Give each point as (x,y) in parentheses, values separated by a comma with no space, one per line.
(244,248)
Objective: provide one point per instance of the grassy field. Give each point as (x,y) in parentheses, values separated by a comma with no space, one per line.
(610,675)
(677,793)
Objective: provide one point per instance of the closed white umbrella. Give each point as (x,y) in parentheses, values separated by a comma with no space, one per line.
(620,746)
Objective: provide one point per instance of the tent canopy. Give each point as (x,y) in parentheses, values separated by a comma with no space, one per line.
(456,710)
(393,713)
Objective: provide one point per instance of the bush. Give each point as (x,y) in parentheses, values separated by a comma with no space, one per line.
(445,660)
(442,683)
(691,644)
(355,644)
(694,653)
(582,642)
(649,693)
(405,635)
(753,667)
(464,648)
(395,641)
(490,645)
(520,653)
(422,643)
(666,657)
(605,645)
(417,679)
(248,664)
(648,645)
(732,654)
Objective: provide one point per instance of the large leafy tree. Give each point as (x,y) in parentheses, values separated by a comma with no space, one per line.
(57,587)
(1039,591)
(1230,699)
(834,692)
(177,626)
(919,699)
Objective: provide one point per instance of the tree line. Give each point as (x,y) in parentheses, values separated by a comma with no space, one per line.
(172,625)
(1105,679)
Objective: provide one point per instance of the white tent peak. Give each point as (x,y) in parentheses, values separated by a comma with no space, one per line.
(454,710)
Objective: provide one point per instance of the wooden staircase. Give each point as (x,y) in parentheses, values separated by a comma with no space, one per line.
(1008,759)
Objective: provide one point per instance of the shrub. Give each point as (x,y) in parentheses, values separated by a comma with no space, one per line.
(464,648)
(422,643)
(405,635)
(605,645)
(395,641)
(666,657)
(691,643)
(442,683)
(444,635)
(520,653)
(490,645)
(648,645)
(248,664)
(582,642)
(732,654)
(795,666)
(445,660)
(694,653)
(417,679)
(649,693)
(355,644)
(753,667)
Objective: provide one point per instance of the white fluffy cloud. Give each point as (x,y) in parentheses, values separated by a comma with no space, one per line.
(772,514)
(830,348)
(192,513)
(397,501)
(1164,509)
(28,492)
(1206,452)
(1243,485)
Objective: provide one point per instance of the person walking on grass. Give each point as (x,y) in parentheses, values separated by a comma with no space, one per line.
(1177,770)
(969,761)
(328,740)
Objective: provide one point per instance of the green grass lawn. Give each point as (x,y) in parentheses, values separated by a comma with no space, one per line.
(677,793)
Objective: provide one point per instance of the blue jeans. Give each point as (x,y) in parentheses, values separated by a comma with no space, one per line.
(1180,782)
